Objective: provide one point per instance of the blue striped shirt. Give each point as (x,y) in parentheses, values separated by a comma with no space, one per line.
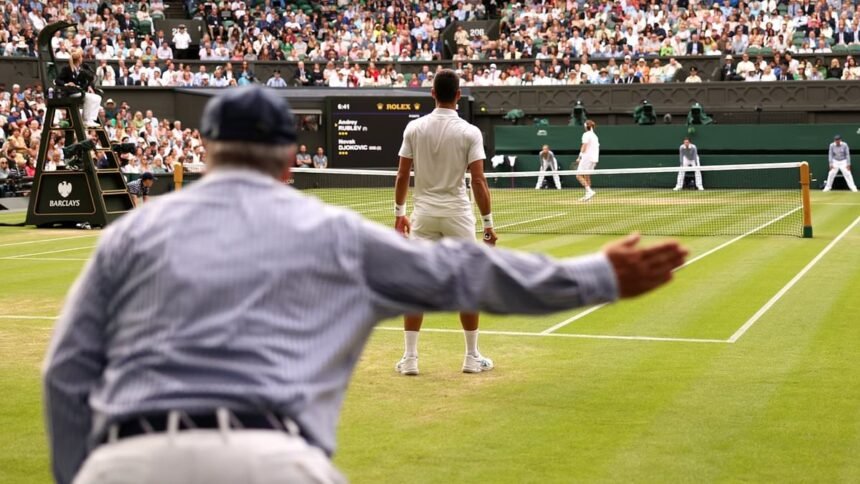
(241,292)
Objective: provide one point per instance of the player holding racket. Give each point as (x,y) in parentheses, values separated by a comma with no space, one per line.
(441,147)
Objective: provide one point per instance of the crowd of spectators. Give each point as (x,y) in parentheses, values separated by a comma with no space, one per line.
(159,143)
(633,40)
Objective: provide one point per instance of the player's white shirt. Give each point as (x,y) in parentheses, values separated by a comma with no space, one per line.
(441,146)
(592,150)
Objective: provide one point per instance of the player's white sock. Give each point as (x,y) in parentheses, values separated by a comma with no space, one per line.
(411,338)
(471,342)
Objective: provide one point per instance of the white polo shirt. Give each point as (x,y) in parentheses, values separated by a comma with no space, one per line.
(441,146)
(181,40)
(592,150)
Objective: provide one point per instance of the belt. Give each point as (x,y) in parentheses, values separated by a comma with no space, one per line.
(161,422)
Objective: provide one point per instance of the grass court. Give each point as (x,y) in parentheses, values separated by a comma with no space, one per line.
(745,368)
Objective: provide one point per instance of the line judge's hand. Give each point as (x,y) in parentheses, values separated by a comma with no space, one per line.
(403,226)
(490,237)
(640,270)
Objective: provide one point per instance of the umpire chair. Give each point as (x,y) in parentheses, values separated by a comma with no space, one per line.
(82,194)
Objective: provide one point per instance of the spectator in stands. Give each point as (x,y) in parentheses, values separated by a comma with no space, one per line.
(164,52)
(303,158)
(125,78)
(745,67)
(835,71)
(320,159)
(276,80)
(727,71)
(302,77)
(181,42)
(54,161)
(4,176)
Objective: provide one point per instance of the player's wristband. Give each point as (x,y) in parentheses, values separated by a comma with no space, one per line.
(487,220)
(399,210)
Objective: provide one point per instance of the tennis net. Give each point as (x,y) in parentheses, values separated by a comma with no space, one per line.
(764,199)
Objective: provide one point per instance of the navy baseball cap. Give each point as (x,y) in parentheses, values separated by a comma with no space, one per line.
(838,136)
(147,176)
(249,113)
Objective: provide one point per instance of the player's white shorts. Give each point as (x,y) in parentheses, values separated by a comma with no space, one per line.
(587,165)
(426,227)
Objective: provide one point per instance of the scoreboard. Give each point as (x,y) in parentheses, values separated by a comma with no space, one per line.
(366,132)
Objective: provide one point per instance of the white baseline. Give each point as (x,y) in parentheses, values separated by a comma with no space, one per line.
(566,335)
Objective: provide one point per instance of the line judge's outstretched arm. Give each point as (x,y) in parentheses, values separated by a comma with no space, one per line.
(453,275)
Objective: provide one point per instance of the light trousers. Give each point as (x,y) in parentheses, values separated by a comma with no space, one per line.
(846,173)
(90,111)
(545,167)
(682,173)
(209,456)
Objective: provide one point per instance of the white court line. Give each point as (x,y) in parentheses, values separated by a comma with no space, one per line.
(48,240)
(49,252)
(499,333)
(42,258)
(568,335)
(583,314)
(503,226)
(364,204)
(755,317)
(573,318)
(29,317)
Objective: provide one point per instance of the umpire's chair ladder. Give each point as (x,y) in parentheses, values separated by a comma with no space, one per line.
(87,192)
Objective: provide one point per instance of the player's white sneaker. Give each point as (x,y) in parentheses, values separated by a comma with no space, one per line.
(588,196)
(676,189)
(701,189)
(477,364)
(408,365)
(825,190)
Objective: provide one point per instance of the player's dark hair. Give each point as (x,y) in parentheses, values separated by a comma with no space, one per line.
(446,83)
(590,125)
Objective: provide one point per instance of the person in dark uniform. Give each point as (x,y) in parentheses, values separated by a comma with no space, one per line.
(140,188)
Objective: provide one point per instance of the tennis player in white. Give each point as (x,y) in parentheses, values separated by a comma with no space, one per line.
(441,147)
(548,163)
(589,155)
(689,157)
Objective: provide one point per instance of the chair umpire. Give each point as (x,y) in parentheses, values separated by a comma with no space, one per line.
(211,337)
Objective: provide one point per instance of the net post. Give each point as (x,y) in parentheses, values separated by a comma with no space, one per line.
(178,172)
(807,205)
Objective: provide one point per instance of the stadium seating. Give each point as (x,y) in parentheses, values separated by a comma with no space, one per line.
(293,31)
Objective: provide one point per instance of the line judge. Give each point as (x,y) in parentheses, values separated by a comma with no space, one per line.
(689,157)
(171,363)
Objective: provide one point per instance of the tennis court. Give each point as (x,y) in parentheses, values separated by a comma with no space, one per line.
(744,367)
